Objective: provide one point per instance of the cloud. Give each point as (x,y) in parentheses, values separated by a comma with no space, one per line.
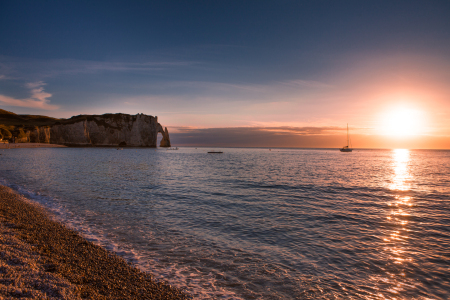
(5,77)
(275,130)
(306,83)
(38,99)
(33,69)
(283,136)
(33,85)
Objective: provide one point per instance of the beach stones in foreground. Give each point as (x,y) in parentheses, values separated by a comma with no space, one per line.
(41,258)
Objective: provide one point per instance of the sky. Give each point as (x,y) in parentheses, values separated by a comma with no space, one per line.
(238,73)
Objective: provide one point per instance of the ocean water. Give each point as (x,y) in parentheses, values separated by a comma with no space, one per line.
(254,223)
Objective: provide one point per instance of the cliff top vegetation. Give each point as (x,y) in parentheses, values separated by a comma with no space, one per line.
(8,118)
(13,125)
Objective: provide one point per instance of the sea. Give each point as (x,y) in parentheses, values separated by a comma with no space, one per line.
(256,223)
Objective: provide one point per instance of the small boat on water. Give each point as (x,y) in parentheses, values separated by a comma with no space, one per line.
(215,152)
(346,148)
(174,148)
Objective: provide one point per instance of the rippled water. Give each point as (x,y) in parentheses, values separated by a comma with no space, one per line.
(254,223)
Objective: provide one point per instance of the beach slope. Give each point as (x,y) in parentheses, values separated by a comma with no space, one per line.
(41,258)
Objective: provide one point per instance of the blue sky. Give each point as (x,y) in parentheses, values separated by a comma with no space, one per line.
(230,64)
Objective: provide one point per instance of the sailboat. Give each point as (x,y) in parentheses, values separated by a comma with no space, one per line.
(346,148)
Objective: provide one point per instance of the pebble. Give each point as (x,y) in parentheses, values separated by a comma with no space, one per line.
(45,259)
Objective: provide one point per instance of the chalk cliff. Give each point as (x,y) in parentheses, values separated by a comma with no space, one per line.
(109,130)
(39,135)
(118,130)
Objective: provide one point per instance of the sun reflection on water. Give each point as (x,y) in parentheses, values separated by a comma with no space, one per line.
(398,212)
(402,177)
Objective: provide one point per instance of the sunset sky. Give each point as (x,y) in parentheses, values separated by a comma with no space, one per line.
(238,73)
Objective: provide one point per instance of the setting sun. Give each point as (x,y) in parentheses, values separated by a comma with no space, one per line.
(402,122)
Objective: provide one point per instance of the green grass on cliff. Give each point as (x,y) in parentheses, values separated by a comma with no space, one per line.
(12,124)
(5,112)
(8,118)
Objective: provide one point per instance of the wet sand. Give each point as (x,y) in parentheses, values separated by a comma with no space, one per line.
(29,145)
(43,259)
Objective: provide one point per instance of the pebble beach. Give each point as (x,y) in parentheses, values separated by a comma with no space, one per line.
(29,145)
(42,259)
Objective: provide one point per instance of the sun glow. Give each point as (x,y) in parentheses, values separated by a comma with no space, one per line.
(402,122)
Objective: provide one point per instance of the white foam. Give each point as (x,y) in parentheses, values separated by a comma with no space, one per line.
(188,279)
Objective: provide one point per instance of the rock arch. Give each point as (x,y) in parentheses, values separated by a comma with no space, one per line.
(165,142)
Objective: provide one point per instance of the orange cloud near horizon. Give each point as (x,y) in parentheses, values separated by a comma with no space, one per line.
(299,138)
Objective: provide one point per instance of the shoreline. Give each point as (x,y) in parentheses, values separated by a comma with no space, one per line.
(42,258)
(29,145)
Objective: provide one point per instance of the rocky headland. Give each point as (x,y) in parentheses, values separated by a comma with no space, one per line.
(116,130)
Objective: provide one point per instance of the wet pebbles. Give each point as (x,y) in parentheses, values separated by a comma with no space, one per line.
(41,258)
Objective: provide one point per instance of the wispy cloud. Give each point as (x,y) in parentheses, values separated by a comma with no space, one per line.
(5,77)
(283,136)
(305,83)
(35,68)
(275,130)
(33,85)
(295,137)
(75,66)
(38,99)
(274,86)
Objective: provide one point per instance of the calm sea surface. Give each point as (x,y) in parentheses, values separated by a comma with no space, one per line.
(254,223)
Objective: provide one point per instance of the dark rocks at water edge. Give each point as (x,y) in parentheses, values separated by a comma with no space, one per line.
(42,259)
(116,130)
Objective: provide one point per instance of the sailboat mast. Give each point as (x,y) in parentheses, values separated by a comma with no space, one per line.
(347,136)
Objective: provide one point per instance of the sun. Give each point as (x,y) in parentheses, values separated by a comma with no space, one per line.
(402,122)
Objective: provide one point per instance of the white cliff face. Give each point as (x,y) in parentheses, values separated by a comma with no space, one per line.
(105,130)
(39,135)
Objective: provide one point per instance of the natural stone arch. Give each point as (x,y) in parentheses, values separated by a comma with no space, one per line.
(165,142)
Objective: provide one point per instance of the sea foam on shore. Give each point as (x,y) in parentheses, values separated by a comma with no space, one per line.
(41,258)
